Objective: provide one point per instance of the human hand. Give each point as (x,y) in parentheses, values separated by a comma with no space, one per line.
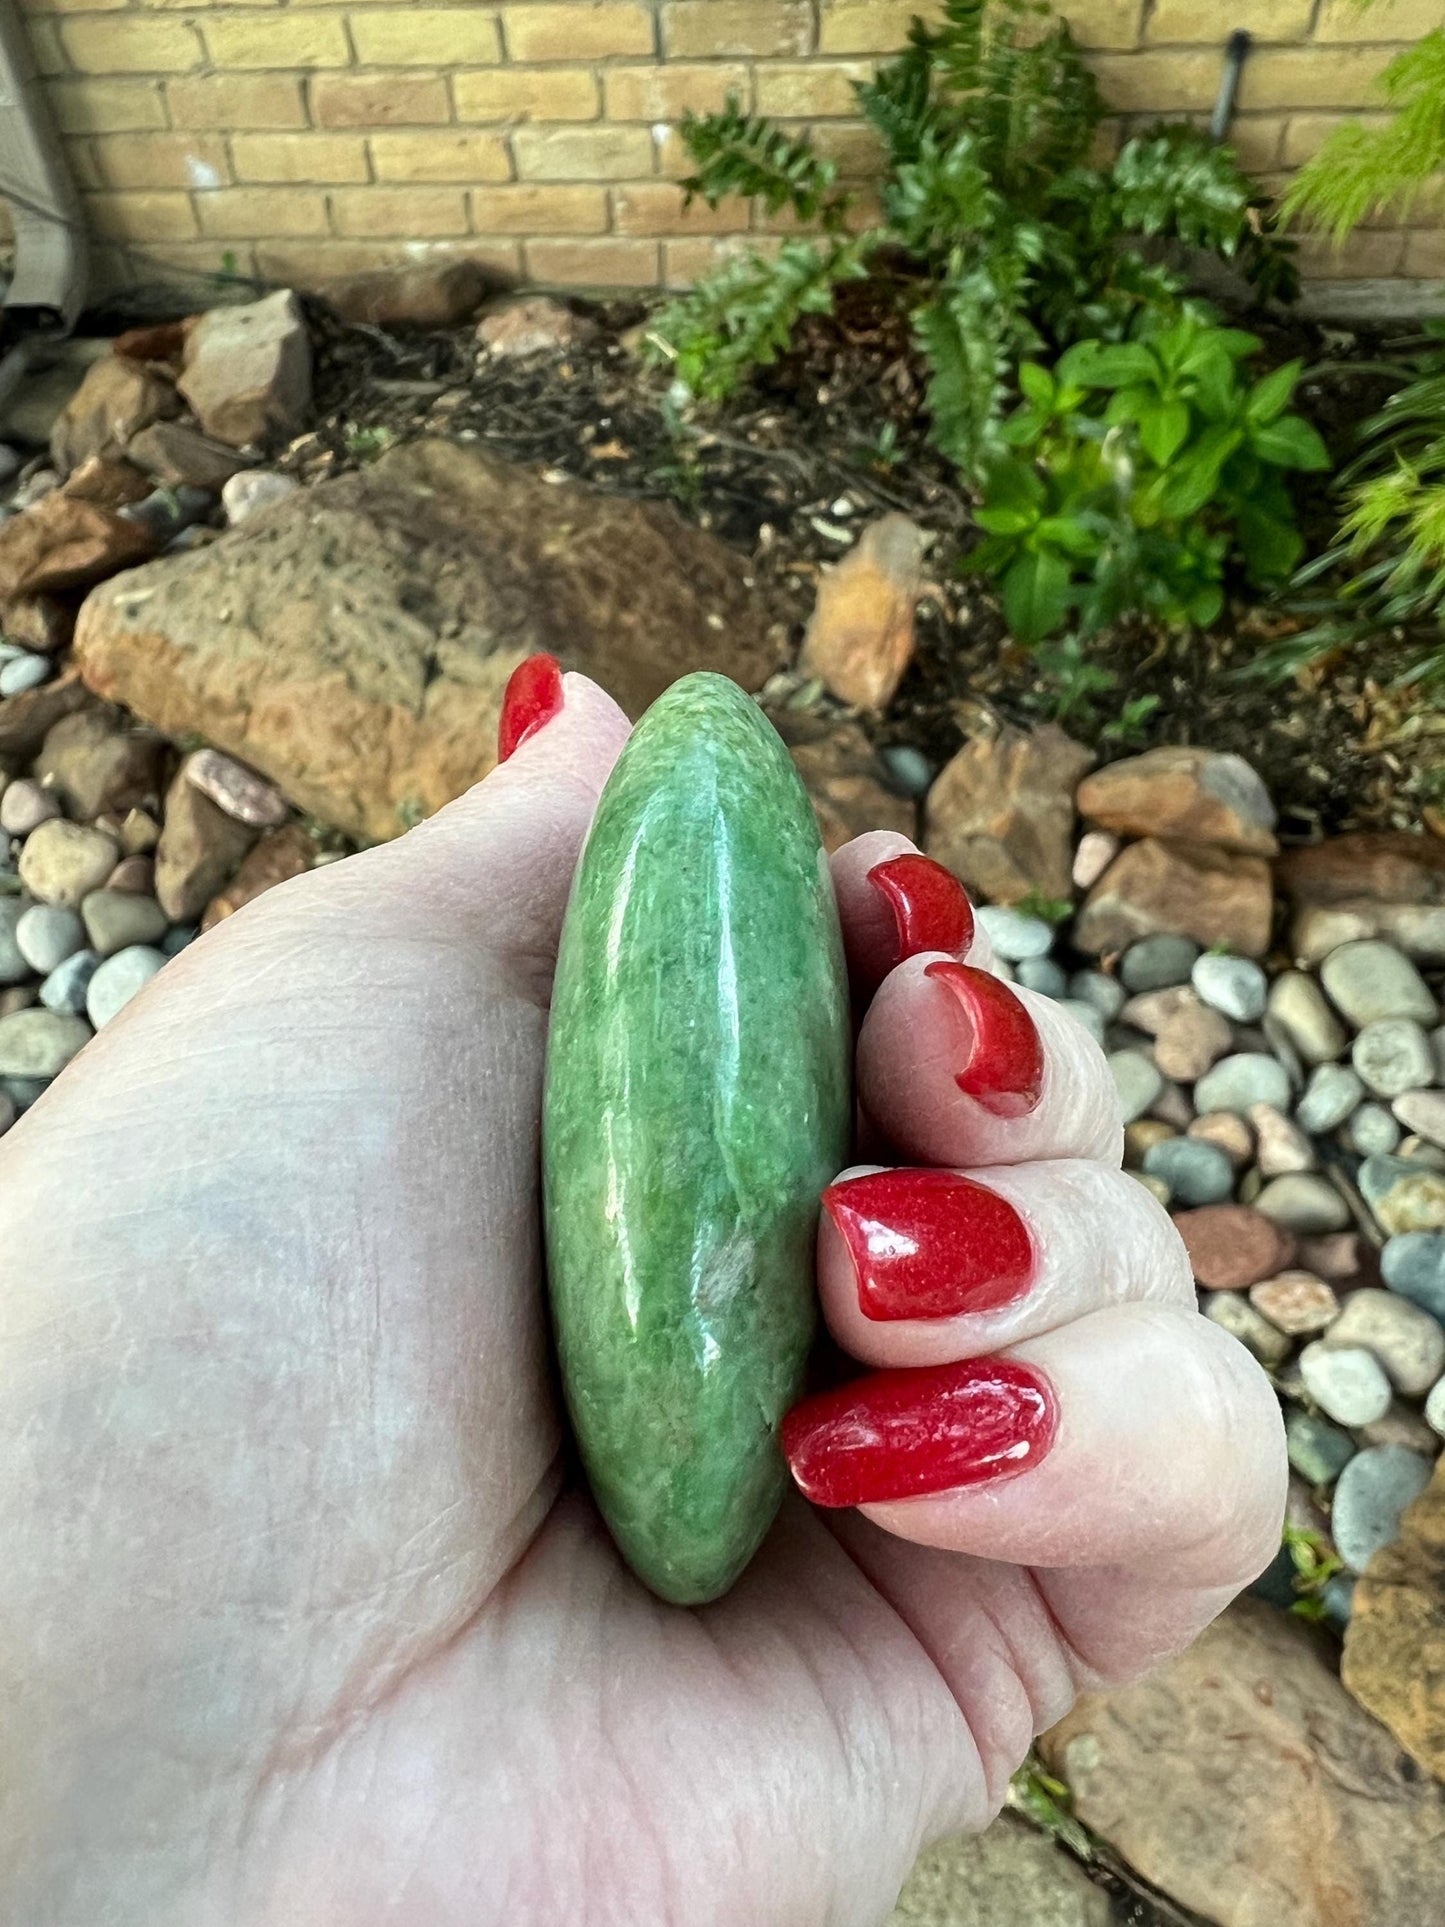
(300,1618)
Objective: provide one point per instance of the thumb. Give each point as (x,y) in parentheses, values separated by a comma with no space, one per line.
(497,864)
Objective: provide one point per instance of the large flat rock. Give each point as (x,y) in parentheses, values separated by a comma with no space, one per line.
(353,642)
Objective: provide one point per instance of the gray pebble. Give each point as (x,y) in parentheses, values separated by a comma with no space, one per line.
(25,672)
(1413,1264)
(909,768)
(1337,1596)
(1234,1083)
(1435,1408)
(254,489)
(39,1042)
(1369,980)
(1408,1342)
(118,979)
(1086,1015)
(1043,975)
(1155,963)
(1234,985)
(1348,1386)
(25,806)
(1106,994)
(177,937)
(23,1091)
(1137,1081)
(1013,936)
(14,965)
(1423,1112)
(1370,1498)
(1318,1451)
(1437,1046)
(1233,1311)
(66,986)
(116,919)
(1372,1129)
(1303,1203)
(1404,1194)
(1393,1056)
(47,934)
(1195,1171)
(9,1111)
(1297,1006)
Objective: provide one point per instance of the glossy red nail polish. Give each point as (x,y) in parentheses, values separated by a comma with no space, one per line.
(534,696)
(1004,1070)
(929,905)
(900,1435)
(930,1244)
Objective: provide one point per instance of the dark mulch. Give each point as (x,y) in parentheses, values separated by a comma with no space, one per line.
(833,435)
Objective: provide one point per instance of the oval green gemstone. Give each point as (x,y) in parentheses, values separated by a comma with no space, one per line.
(697,1102)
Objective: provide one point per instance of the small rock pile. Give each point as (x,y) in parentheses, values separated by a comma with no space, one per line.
(109,870)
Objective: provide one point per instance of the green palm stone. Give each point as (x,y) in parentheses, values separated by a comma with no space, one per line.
(697,1102)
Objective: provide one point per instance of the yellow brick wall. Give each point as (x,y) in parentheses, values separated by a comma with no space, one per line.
(299,139)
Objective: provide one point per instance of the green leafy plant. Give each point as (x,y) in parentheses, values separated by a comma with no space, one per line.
(1315,1563)
(999,237)
(1127,728)
(1136,472)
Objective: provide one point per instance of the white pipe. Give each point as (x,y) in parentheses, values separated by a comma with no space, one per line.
(47,290)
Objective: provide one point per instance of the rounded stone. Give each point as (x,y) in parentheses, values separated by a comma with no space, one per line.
(1318,1451)
(1402,1425)
(1105,994)
(1137,1081)
(1349,1386)
(1371,1130)
(1422,1112)
(25,806)
(47,934)
(1097,850)
(1086,1016)
(1231,1246)
(1156,1187)
(1435,1408)
(1333,1092)
(1370,1498)
(1370,980)
(1296,1301)
(1298,1007)
(1304,1204)
(252,490)
(119,978)
(115,919)
(1045,976)
(1408,1342)
(63,862)
(1196,1172)
(1190,1041)
(25,672)
(15,966)
(1249,1077)
(39,1042)
(1413,1264)
(8,1112)
(177,937)
(1142,1135)
(1240,1319)
(1404,1195)
(23,1091)
(1235,986)
(1393,1056)
(1156,963)
(1283,1147)
(1013,935)
(66,986)
(909,768)
(1229,1131)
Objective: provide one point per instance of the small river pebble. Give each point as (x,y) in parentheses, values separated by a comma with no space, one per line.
(1105,994)
(909,768)
(1154,963)
(1372,1129)
(1188,1043)
(23,1091)
(1151,1010)
(250,799)
(63,862)
(1414,1265)
(1318,1451)
(25,806)
(253,489)
(1393,1055)
(1408,1342)
(1303,1203)
(1231,1246)
(1195,1172)
(1234,985)
(1229,1131)
(1349,1386)
(1043,975)
(1369,980)
(1333,1092)
(116,919)
(1142,1135)
(1097,850)
(15,966)
(39,1042)
(1370,1498)
(118,979)
(1338,1256)
(1402,1425)
(1435,1408)
(25,672)
(1156,1187)
(1085,1015)
(47,934)
(1253,1330)
(1404,1195)
(1296,1301)
(8,1112)
(1298,1006)
(66,986)
(1249,1077)
(1424,1113)
(1283,1146)
(1137,1081)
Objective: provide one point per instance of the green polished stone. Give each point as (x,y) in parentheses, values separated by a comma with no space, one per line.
(697,1102)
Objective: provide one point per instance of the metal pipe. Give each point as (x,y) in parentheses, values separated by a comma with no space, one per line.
(1235,53)
(47,288)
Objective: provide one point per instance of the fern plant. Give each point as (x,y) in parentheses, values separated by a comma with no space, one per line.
(999,237)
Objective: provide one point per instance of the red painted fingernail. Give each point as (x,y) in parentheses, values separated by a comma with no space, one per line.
(534,695)
(900,1435)
(1005,1065)
(929,905)
(930,1244)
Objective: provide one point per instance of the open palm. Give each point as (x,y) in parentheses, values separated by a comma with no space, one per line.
(304,1618)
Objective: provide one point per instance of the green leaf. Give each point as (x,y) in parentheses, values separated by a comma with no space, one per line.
(1207,605)
(1162,431)
(1035,594)
(1102,364)
(1068,533)
(1270,547)
(1290,442)
(1036,384)
(1270,396)
(1003,521)
(1194,480)
(1009,483)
